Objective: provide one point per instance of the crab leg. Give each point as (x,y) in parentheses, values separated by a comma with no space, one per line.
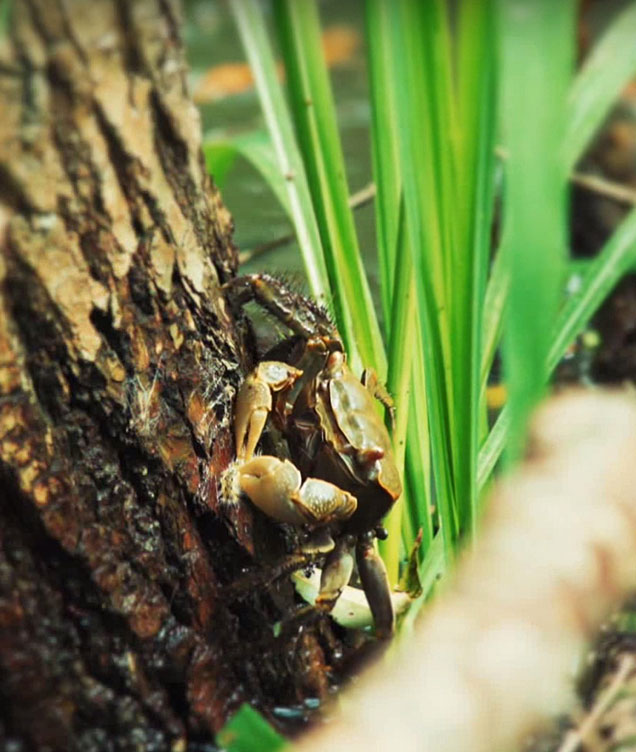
(301,314)
(375,583)
(336,573)
(371,382)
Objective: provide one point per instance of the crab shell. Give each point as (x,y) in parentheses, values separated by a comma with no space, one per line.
(352,449)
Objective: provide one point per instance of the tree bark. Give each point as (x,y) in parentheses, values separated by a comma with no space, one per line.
(119,362)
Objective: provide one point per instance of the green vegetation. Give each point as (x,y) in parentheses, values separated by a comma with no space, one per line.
(444,102)
(248,731)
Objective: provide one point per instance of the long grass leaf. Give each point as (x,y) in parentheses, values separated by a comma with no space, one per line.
(603,273)
(492,448)
(537,59)
(413,29)
(609,66)
(402,333)
(256,148)
(313,109)
(601,276)
(385,146)
(251,24)
(494,307)
(397,285)
(418,451)
(473,207)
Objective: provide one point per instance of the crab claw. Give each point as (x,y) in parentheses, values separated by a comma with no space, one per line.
(275,486)
(254,402)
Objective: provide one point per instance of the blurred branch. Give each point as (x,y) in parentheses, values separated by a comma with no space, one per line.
(621,193)
(578,736)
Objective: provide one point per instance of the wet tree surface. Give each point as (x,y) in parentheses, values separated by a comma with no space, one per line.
(119,362)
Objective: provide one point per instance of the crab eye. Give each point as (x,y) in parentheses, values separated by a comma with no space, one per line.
(381,533)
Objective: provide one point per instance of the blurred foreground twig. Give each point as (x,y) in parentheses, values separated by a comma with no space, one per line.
(557,554)
(579,735)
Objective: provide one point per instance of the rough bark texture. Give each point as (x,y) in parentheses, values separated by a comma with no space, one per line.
(118,367)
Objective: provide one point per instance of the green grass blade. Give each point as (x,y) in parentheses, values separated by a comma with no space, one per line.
(600,278)
(418,452)
(414,27)
(256,148)
(402,333)
(248,731)
(385,146)
(5,17)
(603,273)
(537,57)
(494,308)
(610,65)
(473,206)
(430,571)
(492,448)
(251,24)
(446,150)
(398,291)
(314,116)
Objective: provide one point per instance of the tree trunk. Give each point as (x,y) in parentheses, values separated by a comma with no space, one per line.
(119,362)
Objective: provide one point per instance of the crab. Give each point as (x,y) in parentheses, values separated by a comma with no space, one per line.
(339,478)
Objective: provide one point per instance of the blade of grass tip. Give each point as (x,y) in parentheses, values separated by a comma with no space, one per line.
(609,66)
(220,157)
(251,24)
(314,115)
(537,57)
